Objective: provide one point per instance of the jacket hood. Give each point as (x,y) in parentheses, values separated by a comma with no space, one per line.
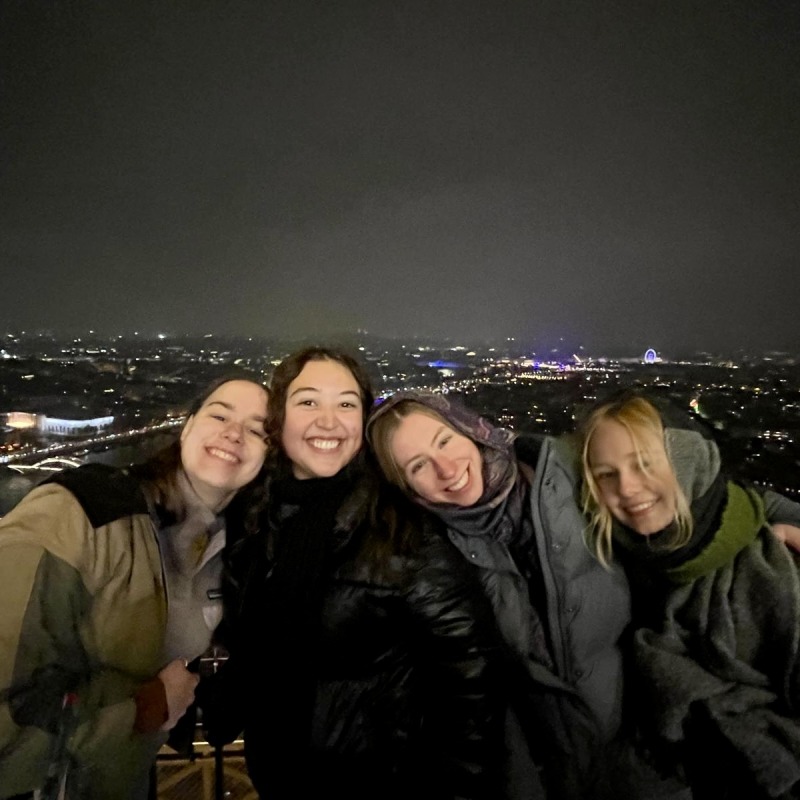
(458,416)
(691,449)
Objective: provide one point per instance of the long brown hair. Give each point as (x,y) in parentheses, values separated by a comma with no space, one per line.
(393,520)
(381,432)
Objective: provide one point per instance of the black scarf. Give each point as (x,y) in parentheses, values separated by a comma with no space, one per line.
(497,512)
(654,551)
(648,560)
(287,624)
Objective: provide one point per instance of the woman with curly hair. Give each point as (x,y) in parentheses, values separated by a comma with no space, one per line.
(362,650)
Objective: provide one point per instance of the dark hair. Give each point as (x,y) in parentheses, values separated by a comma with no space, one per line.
(394,521)
(290,368)
(159,472)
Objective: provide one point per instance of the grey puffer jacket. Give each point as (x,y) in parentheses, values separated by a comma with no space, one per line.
(571,711)
(569,715)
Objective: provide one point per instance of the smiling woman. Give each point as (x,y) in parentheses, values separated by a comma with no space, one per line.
(509,506)
(323,420)
(630,473)
(110,585)
(440,464)
(223,442)
(716,600)
(360,645)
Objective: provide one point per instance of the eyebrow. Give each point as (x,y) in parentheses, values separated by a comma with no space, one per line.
(316,389)
(632,455)
(433,440)
(437,432)
(231,407)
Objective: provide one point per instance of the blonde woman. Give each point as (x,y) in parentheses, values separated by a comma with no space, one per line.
(715,596)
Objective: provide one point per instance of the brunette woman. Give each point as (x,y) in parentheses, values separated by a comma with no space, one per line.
(360,645)
(510,507)
(109,586)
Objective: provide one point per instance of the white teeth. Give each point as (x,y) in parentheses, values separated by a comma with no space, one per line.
(223,454)
(640,507)
(324,444)
(460,483)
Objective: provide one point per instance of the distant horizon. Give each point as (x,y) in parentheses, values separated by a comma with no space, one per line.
(560,350)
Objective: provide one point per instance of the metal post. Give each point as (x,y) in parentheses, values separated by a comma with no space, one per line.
(219,755)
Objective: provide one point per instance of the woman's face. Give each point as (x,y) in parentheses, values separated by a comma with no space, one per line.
(222,445)
(639,495)
(439,464)
(324,421)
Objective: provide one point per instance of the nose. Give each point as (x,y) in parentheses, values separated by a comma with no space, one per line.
(444,466)
(234,431)
(629,482)
(326,418)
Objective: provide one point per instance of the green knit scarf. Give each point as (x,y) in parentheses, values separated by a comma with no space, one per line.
(742,518)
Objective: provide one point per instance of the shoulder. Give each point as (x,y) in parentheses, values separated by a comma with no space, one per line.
(442,587)
(536,449)
(63,515)
(401,539)
(554,459)
(431,556)
(528,447)
(104,493)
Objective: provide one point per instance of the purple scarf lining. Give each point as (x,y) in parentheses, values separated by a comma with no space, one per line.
(497,513)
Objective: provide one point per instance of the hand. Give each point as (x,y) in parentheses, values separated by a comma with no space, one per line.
(788,534)
(179,686)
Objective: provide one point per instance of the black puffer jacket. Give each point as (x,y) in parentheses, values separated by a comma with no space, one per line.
(406,702)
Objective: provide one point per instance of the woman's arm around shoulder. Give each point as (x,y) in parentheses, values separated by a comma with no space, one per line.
(50,568)
(783,515)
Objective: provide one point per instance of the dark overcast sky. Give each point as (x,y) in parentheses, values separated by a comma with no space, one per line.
(616,173)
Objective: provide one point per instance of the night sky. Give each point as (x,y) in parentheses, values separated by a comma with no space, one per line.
(610,174)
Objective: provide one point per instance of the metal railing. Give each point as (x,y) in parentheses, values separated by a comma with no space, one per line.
(208,772)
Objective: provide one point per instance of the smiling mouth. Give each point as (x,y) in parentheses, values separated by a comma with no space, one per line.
(640,508)
(326,445)
(223,455)
(460,483)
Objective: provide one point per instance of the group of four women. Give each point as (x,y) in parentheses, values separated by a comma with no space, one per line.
(416,603)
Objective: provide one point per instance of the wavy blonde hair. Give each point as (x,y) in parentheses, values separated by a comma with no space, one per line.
(640,418)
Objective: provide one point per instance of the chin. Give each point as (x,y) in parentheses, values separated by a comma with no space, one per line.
(651,528)
(463,503)
(473,499)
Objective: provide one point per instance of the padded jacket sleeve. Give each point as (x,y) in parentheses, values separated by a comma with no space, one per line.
(780,509)
(73,610)
(458,639)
